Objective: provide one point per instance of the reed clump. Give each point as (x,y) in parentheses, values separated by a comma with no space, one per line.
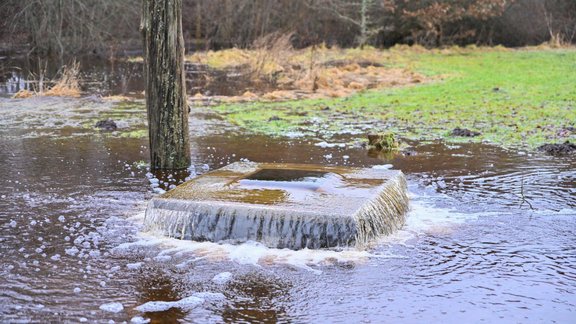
(66,85)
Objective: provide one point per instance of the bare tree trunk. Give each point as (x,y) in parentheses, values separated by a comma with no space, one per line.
(165,84)
(198,34)
(364,23)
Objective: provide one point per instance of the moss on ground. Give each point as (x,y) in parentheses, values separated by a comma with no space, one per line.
(515,98)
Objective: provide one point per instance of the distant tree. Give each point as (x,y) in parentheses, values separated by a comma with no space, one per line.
(166,101)
(560,17)
(437,22)
(360,13)
(58,27)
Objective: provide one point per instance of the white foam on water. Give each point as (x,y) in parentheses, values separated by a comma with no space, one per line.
(424,218)
(112,307)
(222,278)
(134,266)
(139,320)
(252,253)
(186,304)
(383,166)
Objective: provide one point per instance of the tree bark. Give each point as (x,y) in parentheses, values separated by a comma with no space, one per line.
(166,101)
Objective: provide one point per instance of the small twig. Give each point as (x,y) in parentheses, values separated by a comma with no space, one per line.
(524,200)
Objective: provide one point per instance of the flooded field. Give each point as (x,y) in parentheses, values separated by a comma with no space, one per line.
(109,78)
(490,236)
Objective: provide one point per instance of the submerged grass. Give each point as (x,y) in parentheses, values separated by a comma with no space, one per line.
(515,98)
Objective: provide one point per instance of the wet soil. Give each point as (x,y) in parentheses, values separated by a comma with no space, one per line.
(464,132)
(565,148)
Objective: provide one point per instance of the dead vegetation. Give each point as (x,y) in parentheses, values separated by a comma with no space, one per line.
(314,72)
(66,85)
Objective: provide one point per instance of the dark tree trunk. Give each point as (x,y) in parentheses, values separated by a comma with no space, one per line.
(165,84)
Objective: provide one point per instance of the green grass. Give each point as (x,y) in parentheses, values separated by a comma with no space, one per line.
(515,98)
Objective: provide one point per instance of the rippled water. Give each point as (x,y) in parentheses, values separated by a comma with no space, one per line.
(120,77)
(490,237)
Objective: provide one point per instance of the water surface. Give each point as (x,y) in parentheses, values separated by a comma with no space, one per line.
(490,237)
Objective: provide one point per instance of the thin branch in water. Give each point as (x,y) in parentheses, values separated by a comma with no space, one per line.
(523,197)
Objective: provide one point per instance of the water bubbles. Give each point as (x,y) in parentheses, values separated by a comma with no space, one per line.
(61,218)
(187,303)
(79,239)
(441,184)
(55,257)
(154,181)
(72,251)
(67,238)
(77,290)
(13,223)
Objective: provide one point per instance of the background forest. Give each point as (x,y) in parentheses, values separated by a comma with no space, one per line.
(112,27)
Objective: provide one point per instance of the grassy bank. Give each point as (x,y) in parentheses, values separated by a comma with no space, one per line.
(519,98)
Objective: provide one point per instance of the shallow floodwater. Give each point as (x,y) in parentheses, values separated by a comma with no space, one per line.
(490,236)
(119,77)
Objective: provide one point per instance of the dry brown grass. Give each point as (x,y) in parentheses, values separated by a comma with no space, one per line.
(68,84)
(117,98)
(313,72)
(23,94)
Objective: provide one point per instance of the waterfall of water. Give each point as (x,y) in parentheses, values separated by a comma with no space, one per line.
(385,213)
(344,209)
